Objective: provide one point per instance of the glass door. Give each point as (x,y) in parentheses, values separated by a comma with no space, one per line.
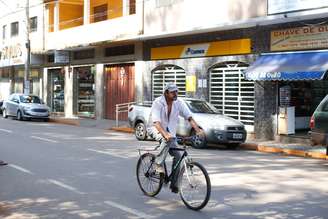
(57,86)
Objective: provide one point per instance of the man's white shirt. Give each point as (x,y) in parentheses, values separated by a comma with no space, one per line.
(159,113)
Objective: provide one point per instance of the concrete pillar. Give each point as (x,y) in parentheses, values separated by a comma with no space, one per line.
(99,92)
(44,87)
(56,17)
(68,90)
(126,8)
(139,68)
(86,12)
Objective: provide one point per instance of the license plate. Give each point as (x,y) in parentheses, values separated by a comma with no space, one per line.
(237,136)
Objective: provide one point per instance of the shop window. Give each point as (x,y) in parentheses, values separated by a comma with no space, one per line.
(100,13)
(33,24)
(57,78)
(85,91)
(119,50)
(14,29)
(84,54)
(4,73)
(165,74)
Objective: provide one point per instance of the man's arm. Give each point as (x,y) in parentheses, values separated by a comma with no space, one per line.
(165,134)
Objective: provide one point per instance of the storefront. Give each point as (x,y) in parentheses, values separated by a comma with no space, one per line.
(299,78)
(212,71)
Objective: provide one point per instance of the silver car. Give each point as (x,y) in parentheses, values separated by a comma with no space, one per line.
(218,128)
(25,107)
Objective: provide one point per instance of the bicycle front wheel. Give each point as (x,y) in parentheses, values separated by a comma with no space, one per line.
(195,186)
(150,181)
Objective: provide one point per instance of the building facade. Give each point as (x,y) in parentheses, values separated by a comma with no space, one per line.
(99,53)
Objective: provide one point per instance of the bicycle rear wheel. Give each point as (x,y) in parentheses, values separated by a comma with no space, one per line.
(195,186)
(150,181)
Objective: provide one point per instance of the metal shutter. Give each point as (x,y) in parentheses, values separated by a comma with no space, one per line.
(168,73)
(231,94)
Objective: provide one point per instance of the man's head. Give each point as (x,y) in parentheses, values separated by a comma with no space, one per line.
(171,91)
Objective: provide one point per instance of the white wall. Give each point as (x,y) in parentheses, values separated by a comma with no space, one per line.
(188,15)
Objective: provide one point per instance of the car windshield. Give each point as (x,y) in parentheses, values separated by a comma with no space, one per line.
(198,106)
(29,99)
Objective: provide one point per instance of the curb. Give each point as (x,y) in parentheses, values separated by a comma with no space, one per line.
(284,151)
(123,129)
(75,122)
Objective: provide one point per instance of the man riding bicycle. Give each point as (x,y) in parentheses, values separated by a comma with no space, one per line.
(163,121)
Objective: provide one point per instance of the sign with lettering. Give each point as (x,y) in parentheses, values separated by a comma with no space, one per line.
(309,37)
(12,55)
(61,56)
(284,6)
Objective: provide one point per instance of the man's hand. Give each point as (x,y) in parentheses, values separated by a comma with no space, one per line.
(200,132)
(168,136)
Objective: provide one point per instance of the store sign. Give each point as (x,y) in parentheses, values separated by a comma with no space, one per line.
(11,55)
(61,56)
(311,37)
(284,6)
(195,50)
(226,47)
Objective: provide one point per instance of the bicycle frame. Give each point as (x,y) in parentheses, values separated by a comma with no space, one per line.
(168,178)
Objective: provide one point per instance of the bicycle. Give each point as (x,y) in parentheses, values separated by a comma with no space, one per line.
(194,182)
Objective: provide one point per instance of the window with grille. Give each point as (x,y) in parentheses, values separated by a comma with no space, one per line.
(231,94)
(33,24)
(165,74)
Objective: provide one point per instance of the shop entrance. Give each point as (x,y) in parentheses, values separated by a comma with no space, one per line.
(120,88)
(57,81)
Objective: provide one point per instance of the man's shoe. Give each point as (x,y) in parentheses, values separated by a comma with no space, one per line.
(2,163)
(174,189)
(159,168)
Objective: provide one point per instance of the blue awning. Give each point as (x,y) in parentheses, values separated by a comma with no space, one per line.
(288,66)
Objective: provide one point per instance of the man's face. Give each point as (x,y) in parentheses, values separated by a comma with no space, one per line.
(172,95)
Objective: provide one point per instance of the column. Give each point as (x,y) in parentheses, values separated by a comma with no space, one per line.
(99,93)
(126,7)
(86,12)
(56,17)
(68,90)
(44,94)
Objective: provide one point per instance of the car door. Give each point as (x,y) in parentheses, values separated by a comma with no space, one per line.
(321,117)
(9,104)
(15,105)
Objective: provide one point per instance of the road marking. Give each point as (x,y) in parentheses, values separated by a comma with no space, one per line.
(129,210)
(44,139)
(108,153)
(6,130)
(21,169)
(65,186)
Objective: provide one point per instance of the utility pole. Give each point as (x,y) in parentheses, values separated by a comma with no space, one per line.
(28,50)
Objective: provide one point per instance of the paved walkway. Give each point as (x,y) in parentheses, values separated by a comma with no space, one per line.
(292,149)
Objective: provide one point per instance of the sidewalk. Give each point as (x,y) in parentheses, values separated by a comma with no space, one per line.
(290,149)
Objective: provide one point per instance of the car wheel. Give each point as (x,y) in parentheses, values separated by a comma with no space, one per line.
(233,146)
(199,143)
(140,131)
(19,115)
(4,113)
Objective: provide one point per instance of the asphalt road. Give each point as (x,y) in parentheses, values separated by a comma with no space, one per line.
(62,171)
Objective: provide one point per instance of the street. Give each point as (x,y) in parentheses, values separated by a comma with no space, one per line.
(62,171)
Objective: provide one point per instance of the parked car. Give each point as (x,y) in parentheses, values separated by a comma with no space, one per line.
(25,107)
(218,128)
(319,124)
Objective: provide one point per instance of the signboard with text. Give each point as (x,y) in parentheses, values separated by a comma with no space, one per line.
(62,56)
(284,6)
(309,37)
